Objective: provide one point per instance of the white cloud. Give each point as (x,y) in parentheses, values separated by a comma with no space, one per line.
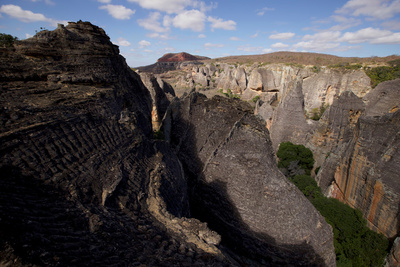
(217,23)
(371,35)
(377,9)
(267,50)
(345,22)
(118,11)
(190,19)
(254,35)
(201,36)
(151,23)
(391,24)
(282,36)
(157,35)
(26,15)
(167,21)
(144,43)
(316,46)
(262,11)
(27,35)
(209,45)
(234,38)
(48,2)
(325,36)
(122,42)
(104,1)
(247,48)
(169,6)
(279,45)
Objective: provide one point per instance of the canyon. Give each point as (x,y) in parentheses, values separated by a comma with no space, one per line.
(354,141)
(103,166)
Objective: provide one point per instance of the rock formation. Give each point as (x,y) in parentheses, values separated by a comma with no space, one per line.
(237,188)
(176,57)
(85,183)
(82,182)
(364,170)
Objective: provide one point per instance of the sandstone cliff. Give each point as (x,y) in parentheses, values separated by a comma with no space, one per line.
(363,170)
(84,182)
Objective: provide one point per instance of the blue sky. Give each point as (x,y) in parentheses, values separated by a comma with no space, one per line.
(147,29)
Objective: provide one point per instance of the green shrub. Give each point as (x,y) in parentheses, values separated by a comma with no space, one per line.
(289,152)
(384,73)
(355,244)
(7,40)
(318,112)
(256,98)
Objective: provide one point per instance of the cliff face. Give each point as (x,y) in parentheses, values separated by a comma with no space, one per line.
(290,96)
(363,170)
(84,182)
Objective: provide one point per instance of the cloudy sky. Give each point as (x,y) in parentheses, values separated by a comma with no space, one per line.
(147,29)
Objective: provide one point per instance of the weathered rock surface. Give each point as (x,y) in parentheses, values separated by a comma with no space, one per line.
(364,170)
(82,181)
(393,258)
(336,126)
(238,190)
(161,94)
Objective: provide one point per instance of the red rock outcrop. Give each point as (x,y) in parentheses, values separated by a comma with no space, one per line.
(178,57)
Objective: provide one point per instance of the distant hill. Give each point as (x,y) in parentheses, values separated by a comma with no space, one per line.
(178,57)
(172,61)
(303,58)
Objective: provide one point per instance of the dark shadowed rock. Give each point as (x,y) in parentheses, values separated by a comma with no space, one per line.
(82,182)
(237,188)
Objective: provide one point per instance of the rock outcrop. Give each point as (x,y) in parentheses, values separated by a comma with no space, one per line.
(82,182)
(237,188)
(85,183)
(176,57)
(363,170)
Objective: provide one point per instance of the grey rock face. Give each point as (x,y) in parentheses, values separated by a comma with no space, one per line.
(383,99)
(238,189)
(289,122)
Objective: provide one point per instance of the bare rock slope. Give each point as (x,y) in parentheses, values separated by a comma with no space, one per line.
(237,188)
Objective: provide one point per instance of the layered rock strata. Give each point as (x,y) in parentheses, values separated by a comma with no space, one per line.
(82,181)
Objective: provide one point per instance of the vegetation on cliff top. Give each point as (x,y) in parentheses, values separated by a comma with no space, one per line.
(384,73)
(7,40)
(355,244)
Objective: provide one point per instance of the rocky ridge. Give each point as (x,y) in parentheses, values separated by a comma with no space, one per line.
(85,183)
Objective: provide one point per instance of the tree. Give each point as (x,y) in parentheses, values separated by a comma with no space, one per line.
(289,152)
(7,40)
